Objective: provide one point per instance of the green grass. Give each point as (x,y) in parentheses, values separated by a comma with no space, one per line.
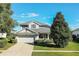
(6,47)
(71,46)
(55,54)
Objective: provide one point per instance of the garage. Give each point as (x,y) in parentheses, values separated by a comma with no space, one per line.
(25,39)
(26,36)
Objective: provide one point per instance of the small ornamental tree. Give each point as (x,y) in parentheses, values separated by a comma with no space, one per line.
(60,31)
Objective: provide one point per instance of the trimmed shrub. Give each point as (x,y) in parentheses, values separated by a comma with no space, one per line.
(38,41)
(47,41)
(11,39)
(42,42)
(3,43)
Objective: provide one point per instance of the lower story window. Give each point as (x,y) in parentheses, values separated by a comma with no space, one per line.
(43,35)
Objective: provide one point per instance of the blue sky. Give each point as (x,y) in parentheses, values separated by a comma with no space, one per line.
(45,12)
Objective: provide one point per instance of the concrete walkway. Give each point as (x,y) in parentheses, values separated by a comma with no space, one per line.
(19,49)
(53,51)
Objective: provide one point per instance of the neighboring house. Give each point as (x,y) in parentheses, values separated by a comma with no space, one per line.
(3,35)
(13,31)
(33,30)
(75,33)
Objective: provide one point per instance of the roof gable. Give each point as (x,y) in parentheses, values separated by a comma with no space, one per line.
(36,22)
(26,32)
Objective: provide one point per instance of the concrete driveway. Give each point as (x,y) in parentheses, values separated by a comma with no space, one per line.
(19,49)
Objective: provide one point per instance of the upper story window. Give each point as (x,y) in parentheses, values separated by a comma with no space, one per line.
(33,26)
(25,26)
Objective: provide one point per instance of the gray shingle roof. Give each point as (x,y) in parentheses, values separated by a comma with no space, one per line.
(26,33)
(39,23)
(34,31)
(42,30)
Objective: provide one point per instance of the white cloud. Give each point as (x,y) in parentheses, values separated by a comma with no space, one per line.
(48,24)
(74,26)
(32,15)
(28,15)
(77,20)
(48,17)
(23,14)
(43,17)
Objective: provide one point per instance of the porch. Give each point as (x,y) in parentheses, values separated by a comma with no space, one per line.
(44,36)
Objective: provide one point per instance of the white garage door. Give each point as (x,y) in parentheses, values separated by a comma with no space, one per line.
(25,39)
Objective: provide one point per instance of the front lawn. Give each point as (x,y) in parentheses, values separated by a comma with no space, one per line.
(6,47)
(7,42)
(55,54)
(71,46)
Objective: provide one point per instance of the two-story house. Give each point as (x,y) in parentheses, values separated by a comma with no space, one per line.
(33,30)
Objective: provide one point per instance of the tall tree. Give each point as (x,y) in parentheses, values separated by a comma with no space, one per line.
(60,31)
(6,22)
